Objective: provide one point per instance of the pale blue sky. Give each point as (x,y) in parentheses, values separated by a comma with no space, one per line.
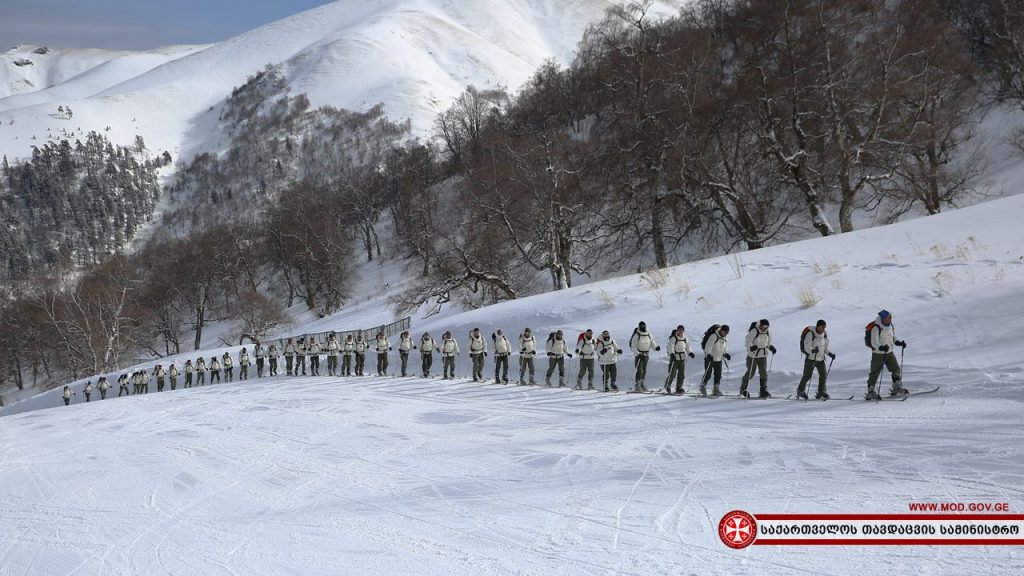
(138,24)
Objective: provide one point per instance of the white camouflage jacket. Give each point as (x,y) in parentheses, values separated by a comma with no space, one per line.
(813,341)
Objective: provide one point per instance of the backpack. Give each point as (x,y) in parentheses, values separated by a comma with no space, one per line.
(867,333)
(803,334)
(707,335)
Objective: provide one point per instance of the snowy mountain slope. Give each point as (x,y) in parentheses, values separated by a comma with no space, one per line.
(60,76)
(303,475)
(416,56)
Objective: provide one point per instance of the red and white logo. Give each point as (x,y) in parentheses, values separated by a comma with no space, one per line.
(737,529)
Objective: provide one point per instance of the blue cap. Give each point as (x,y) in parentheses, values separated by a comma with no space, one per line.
(884,314)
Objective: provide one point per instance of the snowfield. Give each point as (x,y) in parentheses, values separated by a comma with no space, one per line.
(325,475)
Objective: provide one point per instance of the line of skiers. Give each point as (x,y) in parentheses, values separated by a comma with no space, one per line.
(758,343)
(879,335)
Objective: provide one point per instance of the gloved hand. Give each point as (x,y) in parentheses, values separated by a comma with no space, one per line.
(485,354)
(390,348)
(692,355)
(727,356)
(569,355)
(814,350)
(753,348)
(522,350)
(577,350)
(618,351)
(901,343)
(883,348)
(773,349)
(550,355)
(657,348)
(414,347)
(832,355)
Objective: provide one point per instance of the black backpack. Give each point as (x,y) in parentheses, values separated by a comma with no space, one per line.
(707,335)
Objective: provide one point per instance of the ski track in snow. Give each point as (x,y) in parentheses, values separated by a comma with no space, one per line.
(310,474)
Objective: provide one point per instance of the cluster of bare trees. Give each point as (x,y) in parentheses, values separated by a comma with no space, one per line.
(735,123)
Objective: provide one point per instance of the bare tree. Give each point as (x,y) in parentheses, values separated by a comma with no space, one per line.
(308,243)
(460,126)
(256,316)
(414,174)
(940,98)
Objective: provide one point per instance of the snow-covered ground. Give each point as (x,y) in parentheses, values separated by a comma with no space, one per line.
(367,475)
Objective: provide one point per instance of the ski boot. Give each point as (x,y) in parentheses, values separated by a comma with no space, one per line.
(898,389)
(802,395)
(743,393)
(703,390)
(614,387)
(715,392)
(764,393)
(679,390)
(872,395)
(821,396)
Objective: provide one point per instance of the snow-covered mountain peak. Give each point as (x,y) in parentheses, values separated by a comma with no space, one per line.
(415,56)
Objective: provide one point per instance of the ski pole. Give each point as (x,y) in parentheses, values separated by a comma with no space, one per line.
(706,372)
(903,350)
(827,372)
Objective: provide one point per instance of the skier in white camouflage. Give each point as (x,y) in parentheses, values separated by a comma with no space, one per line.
(243,364)
(360,352)
(678,348)
(333,347)
(586,351)
(201,371)
(477,352)
(814,345)
(405,346)
(381,345)
(449,350)
(289,357)
(313,351)
(759,344)
(427,347)
(641,344)
(260,353)
(608,353)
(301,350)
(229,367)
(557,349)
(882,339)
(348,349)
(716,349)
(502,350)
(527,352)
